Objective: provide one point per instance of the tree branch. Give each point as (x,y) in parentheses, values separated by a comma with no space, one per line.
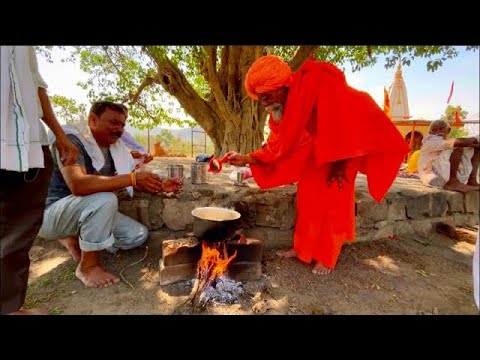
(302,54)
(176,84)
(105,49)
(232,81)
(214,83)
(222,73)
(146,82)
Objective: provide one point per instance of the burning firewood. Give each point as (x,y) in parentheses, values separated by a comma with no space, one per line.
(210,267)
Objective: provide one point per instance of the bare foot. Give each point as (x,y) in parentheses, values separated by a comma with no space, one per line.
(287,254)
(30,312)
(319,269)
(458,186)
(96,277)
(71,244)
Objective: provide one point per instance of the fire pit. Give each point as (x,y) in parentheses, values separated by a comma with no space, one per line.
(215,248)
(180,258)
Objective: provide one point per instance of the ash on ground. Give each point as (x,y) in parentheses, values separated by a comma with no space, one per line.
(225,291)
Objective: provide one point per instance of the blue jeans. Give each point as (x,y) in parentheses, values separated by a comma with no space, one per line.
(95,218)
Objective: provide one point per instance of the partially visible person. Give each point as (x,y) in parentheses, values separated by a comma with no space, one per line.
(305,108)
(412,163)
(82,208)
(25,168)
(448,163)
(415,143)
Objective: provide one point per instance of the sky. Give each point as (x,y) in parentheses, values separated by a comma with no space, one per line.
(427,92)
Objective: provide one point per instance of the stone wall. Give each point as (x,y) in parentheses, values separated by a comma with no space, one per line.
(409,208)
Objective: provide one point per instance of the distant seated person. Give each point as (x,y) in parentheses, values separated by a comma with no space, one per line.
(137,150)
(448,163)
(82,207)
(417,140)
(412,163)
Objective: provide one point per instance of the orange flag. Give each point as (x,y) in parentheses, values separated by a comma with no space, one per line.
(386,103)
(457,117)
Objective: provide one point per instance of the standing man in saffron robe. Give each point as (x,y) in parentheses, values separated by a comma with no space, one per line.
(322,132)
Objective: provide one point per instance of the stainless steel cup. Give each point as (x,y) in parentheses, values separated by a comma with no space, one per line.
(199,173)
(241,177)
(175,171)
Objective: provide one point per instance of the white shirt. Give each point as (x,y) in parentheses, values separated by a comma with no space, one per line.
(432,146)
(22,134)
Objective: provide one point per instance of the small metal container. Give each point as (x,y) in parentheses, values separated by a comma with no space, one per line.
(199,173)
(241,177)
(175,171)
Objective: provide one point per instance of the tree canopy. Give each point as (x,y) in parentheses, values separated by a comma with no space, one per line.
(175,84)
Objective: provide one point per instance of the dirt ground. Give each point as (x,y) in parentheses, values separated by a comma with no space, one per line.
(400,276)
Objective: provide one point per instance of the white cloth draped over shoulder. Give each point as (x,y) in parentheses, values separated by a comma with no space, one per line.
(22,134)
(124,163)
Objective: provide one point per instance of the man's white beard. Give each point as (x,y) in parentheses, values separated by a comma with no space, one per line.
(276,110)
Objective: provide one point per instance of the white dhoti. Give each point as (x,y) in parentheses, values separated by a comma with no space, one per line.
(440,171)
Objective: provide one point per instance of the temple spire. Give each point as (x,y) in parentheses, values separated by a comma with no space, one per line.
(398,96)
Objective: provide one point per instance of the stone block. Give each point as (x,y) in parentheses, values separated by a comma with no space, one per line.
(472,202)
(181,251)
(455,201)
(419,207)
(439,204)
(175,273)
(245,271)
(250,251)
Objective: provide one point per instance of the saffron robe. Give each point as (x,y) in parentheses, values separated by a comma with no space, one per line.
(324,121)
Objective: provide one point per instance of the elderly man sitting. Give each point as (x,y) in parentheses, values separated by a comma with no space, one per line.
(82,208)
(451,164)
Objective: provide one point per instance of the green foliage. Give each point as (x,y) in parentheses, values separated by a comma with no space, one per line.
(117,72)
(449,116)
(67,109)
(456,133)
(450,110)
(165,138)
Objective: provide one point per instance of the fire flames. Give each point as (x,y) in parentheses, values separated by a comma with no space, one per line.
(210,266)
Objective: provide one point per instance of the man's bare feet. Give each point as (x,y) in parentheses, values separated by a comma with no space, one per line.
(456,185)
(30,312)
(71,244)
(95,276)
(287,253)
(319,269)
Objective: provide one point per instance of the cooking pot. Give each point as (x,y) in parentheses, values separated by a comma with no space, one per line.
(215,224)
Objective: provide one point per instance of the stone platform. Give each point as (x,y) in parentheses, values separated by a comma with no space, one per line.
(269,215)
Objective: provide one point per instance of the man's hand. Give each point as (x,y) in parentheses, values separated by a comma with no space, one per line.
(148,182)
(237,159)
(67,151)
(337,173)
(172,185)
(147,158)
(138,155)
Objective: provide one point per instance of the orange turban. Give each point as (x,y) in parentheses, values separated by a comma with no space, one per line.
(266,74)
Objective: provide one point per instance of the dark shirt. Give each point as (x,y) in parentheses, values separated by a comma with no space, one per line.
(58,188)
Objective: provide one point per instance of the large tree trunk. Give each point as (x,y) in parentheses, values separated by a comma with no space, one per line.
(229,117)
(244,133)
